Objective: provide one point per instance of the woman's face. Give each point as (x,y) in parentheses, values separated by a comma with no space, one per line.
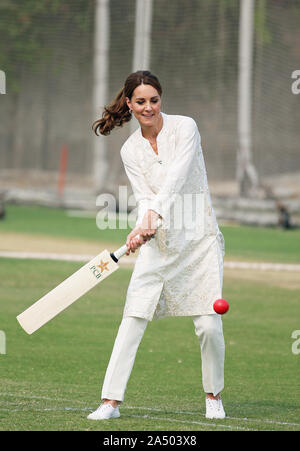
(145,104)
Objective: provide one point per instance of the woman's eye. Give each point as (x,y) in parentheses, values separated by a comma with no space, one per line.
(140,102)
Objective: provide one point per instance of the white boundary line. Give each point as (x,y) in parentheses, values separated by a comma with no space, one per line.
(201,423)
(171,420)
(263,266)
(228,418)
(82,258)
(150,409)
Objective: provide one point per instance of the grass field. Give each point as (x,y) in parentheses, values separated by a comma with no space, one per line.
(244,243)
(52,379)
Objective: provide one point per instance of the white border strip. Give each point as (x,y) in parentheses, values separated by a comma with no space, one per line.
(150,409)
(263,266)
(145,417)
(82,258)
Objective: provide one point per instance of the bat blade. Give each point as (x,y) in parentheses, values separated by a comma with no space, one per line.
(67,292)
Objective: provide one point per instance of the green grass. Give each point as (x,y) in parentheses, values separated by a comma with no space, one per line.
(51,380)
(247,243)
(56,222)
(262,243)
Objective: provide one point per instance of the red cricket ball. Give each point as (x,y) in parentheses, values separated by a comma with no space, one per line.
(221,306)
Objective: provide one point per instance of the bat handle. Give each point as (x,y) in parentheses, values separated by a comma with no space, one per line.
(122,250)
(119,253)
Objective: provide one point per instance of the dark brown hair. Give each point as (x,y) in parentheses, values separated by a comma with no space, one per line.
(117,113)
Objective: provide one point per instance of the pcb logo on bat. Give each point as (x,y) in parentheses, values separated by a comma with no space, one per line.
(98,269)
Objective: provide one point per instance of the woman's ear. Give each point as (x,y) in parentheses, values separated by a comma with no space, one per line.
(128,102)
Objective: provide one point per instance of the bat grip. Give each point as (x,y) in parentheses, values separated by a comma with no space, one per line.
(119,253)
(122,250)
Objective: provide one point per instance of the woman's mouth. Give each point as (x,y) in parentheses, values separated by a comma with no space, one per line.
(147,115)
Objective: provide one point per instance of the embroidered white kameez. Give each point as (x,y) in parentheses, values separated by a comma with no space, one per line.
(180,271)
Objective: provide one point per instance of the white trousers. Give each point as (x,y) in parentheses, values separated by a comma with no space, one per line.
(209,331)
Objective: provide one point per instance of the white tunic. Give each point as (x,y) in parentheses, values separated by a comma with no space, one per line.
(179,272)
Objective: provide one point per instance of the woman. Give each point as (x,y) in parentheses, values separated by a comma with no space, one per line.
(180,271)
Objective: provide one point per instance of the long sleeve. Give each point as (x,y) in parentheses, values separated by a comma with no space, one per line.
(173,183)
(187,143)
(141,190)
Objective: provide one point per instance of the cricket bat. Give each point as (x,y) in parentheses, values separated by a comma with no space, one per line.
(71,289)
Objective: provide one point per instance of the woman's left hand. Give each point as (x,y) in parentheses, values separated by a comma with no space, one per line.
(133,241)
(149,224)
(146,230)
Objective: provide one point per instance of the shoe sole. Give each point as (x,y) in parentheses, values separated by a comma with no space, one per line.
(215,418)
(99,419)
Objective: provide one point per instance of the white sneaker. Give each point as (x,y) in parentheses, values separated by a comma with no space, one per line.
(104,412)
(214,408)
